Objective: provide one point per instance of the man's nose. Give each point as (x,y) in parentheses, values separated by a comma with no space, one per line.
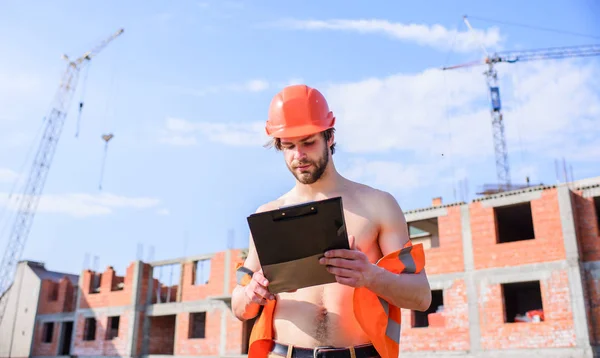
(300,154)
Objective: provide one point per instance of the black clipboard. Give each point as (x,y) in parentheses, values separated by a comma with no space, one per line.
(290,241)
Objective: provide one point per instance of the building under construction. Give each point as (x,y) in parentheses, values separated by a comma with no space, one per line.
(516,274)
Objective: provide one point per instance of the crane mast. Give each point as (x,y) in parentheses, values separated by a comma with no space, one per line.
(29,200)
(499,137)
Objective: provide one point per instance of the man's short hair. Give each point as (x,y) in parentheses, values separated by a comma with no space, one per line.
(327,134)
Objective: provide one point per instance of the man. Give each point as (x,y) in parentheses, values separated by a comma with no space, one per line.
(374,279)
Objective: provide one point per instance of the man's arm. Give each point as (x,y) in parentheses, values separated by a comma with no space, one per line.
(410,291)
(243,306)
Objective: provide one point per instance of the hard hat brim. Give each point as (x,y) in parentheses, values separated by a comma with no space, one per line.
(300,131)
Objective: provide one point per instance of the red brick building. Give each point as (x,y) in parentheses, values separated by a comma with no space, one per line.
(512,274)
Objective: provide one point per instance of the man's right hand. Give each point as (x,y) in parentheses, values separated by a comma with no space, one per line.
(256,291)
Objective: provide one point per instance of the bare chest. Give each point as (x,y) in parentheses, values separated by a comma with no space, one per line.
(364,229)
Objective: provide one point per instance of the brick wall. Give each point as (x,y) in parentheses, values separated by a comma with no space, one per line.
(143,296)
(547,246)
(556,331)
(453,335)
(592,300)
(209,345)
(100,346)
(587,227)
(162,335)
(109,295)
(216,278)
(589,249)
(448,257)
(235,328)
(57,297)
(40,348)
(214,287)
(140,334)
(234,334)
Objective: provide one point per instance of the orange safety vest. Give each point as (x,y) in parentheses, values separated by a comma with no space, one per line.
(379,319)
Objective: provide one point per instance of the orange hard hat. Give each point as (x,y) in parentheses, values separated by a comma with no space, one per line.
(297,111)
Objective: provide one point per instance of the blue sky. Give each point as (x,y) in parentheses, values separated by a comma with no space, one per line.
(185,91)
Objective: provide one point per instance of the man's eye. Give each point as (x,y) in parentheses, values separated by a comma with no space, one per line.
(308,143)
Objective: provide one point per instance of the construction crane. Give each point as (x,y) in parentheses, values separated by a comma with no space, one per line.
(38,173)
(502,165)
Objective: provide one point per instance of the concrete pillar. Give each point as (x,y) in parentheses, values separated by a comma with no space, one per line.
(80,289)
(136,308)
(472,296)
(574,269)
(146,325)
(224,308)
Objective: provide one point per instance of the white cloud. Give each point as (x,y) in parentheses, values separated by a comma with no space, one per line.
(550,111)
(256,86)
(252,86)
(552,107)
(435,36)
(163,212)
(412,112)
(387,174)
(182,132)
(178,140)
(80,205)
(7,175)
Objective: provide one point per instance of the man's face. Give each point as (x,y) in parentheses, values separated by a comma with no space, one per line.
(306,157)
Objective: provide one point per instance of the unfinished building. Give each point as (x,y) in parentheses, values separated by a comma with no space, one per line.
(514,274)
(40,312)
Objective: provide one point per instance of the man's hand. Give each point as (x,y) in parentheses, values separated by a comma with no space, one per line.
(256,291)
(350,267)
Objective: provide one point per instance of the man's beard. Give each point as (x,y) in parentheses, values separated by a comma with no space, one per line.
(315,172)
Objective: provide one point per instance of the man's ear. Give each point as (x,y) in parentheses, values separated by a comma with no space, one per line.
(331,140)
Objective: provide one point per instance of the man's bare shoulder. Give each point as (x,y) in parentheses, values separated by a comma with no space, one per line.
(384,209)
(375,198)
(274,204)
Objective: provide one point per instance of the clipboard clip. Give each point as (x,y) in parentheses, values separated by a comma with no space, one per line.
(294,212)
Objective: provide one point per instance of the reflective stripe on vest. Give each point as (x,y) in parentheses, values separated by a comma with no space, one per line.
(243,275)
(379,319)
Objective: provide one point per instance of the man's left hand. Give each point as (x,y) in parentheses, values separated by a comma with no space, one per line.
(350,267)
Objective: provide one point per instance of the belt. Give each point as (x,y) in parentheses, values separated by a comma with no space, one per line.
(362,351)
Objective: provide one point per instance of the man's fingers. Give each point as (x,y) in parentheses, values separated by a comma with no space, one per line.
(258,293)
(263,292)
(261,285)
(347,281)
(337,262)
(346,254)
(259,300)
(256,298)
(342,272)
(258,276)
